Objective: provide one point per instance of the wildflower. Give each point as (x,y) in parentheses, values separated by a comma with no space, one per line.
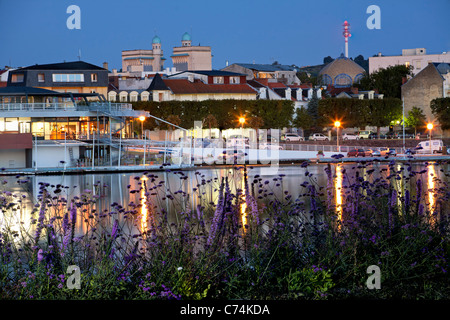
(40,255)
(180,268)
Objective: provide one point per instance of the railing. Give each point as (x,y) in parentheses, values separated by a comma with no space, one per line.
(65,106)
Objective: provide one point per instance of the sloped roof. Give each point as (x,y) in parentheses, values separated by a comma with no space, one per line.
(157,84)
(74,65)
(184,86)
(266,67)
(217,73)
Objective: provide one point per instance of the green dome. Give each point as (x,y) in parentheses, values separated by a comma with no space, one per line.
(186,37)
(156,39)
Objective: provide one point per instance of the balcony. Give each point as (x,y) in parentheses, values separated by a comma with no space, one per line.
(65,106)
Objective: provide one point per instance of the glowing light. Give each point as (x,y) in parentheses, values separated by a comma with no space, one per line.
(144,209)
(337,124)
(241,120)
(430,126)
(243,207)
(431,193)
(142,118)
(338,191)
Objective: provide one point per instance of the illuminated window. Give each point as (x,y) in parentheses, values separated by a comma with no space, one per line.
(407,64)
(41,77)
(68,77)
(93,77)
(18,77)
(234,80)
(218,80)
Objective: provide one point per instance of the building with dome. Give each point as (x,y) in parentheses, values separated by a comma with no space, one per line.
(341,73)
(189,57)
(142,60)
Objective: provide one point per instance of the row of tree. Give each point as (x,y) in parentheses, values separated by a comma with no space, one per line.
(222,114)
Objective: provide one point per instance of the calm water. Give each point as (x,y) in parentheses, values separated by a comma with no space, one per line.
(183,191)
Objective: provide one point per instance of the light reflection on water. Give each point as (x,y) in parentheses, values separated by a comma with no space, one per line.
(201,187)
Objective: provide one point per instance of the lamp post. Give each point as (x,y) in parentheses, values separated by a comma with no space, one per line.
(142,118)
(430,127)
(242,121)
(337,124)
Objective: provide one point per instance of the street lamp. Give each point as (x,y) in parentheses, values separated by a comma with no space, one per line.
(337,124)
(430,127)
(242,121)
(142,118)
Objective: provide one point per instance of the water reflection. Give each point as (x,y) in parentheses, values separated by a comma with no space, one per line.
(144,209)
(338,191)
(195,188)
(431,187)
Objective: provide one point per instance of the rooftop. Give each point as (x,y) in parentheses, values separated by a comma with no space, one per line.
(74,65)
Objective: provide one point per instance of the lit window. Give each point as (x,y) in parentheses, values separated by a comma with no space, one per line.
(93,77)
(234,80)
(41,77)
(68,77)
(407,64)
(218,80)
(18,77)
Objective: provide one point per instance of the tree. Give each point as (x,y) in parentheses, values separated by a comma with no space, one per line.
(327,60)
(174,119)
(386,81)
(313,109)
(256,123)
(440,107)
(383,111)
(302,119)
(416,118)
(210,121)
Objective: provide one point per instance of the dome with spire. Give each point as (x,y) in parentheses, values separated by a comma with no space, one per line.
(186,37)
(156,39)
(341,72)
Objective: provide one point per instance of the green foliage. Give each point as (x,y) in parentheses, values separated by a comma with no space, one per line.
(416,118)
(359,113)
(387,81)
(302,119)
(310,282)
(274,113)
(441,110)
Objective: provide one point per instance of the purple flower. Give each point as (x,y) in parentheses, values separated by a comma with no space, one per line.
(40,255)
(114,229)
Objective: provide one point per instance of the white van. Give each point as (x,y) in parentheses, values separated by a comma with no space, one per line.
(424,146)
(364,134)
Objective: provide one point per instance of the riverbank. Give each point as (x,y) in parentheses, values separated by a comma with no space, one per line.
(159,167)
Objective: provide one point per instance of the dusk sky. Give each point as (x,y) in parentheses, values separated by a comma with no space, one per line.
(261,31)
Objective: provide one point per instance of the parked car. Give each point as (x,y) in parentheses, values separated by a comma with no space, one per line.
(237,138)
(376,153)
(379,152)
(392,152)
(436,146)
(237,156)
(318,136)
(291,137)
(271,146)
(374,135)
(368,152)
(364,134)
(410,151)
(350,136)
(356,153)
(392,135)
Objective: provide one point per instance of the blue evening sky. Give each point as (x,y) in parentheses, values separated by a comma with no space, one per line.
(261,31)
